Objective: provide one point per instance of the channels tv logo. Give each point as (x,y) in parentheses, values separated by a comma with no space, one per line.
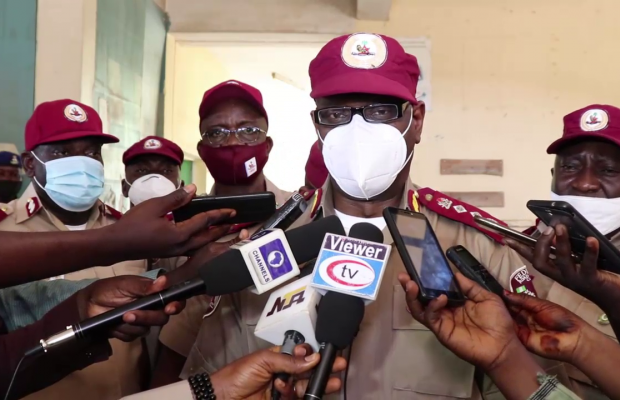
(350,265)
(283,302)
(270,261)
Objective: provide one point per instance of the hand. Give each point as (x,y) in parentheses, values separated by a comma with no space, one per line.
(547,329)
(480,331)
(107,294)
(189,270)
(601,287)
(146,232)
(250,377)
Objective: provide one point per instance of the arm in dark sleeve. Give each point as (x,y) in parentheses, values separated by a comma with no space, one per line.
(52,366)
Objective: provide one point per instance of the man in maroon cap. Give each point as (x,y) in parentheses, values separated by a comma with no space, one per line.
(586,174)
(63,158)
(152,169)
(368,122)
(235,148)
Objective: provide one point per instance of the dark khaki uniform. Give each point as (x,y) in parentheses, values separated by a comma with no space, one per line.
(181,333)
(122,374)
(393,356)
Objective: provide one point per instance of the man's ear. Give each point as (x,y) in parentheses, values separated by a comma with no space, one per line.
(552,171)
(125,187)
(269,141)
(419,111)
(28,164)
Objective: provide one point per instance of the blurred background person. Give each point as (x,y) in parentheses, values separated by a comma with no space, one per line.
(10,173)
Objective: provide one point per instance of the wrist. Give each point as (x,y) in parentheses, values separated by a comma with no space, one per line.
(592,343)
(219,386)
(514,357)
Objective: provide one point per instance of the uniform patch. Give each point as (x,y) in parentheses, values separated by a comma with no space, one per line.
(316,203)
(250,167)
(14,160)
(594,120)
(152,144)
(522,282)
(456,210)
(32,206)
(3,213)
(364,51)
(109,211)
(412,201)
(215,301)
(75,113)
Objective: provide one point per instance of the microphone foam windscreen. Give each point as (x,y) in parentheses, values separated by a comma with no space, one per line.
(366,231)
(226,273)
(339,318)
(306,241)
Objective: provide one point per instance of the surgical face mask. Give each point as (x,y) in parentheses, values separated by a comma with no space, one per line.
(364,158)
(602,213)
(74,183)
(148,187)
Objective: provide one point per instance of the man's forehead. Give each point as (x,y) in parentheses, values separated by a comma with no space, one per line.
(232,109)
(150,160)
(592,147)
(81,142)
(356,100)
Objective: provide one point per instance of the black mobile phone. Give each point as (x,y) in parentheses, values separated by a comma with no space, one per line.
(255,207)
(560,212)
(473,269)
(422,255)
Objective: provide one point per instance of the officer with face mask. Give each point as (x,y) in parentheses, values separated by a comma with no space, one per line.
(586,174)
(368,122)
(235,148)
(63,158)
(10,172)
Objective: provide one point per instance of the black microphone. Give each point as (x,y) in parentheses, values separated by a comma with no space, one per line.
(284,216)
(225,274)
(337,323)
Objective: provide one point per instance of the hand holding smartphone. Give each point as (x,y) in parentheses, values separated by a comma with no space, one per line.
(422,256)
(256,207)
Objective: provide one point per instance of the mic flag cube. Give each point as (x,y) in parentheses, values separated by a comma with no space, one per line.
(350,266)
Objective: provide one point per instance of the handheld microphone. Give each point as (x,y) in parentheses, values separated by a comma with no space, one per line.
(353,265)
(284,216)
(337,323)
(227,273)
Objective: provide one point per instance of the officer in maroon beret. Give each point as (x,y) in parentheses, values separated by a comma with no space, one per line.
(152,169)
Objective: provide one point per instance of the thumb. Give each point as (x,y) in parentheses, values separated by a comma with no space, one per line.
(176,199)
(278,363)
(523,301)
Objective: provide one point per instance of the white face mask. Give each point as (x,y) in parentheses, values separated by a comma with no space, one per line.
(365,158)
(148,187)
(602,213)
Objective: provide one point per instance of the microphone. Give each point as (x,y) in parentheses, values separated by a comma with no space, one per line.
(352,265)
(284,216)
(337,323)
(247,264)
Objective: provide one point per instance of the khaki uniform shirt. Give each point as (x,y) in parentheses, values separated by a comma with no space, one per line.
(183,330)
(589,312)
(123,373)
(393,356)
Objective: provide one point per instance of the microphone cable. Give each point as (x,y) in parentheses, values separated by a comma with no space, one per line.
(32,352)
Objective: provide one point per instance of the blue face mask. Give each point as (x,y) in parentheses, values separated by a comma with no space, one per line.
(74,183)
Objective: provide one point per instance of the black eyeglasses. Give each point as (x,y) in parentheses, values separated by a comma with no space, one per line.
(218,136)
(374,113)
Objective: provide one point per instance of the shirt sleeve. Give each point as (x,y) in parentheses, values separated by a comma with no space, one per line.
(551,389)
(25,304)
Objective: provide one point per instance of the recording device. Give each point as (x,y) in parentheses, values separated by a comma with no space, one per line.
(249,207)
(284,217)
(579,229)
(338,321)
(422,256)
(472,269)
(353,265)
(230,272)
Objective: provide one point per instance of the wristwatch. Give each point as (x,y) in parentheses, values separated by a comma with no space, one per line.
(201,387)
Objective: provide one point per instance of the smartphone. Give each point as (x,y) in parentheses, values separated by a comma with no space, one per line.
(560,212)
(422,255)
(473,269)
(255,207)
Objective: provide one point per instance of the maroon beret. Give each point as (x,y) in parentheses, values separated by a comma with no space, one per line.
(596,121)
(364,63)
(154,145)
(59,120)
(231,90)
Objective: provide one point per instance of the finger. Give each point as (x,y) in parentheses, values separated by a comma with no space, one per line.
(416,309)
(174,308)
(165,204)
(145,318)
(204,220)
(203,238)
(589,261)
(334,384)
(523,302)
(563,261)
(542,250)
(432,314)
(277,363)
(128,333)
(159,284)
(303,350)
(244,234)
(340,364)
(133,287)
(472,290)
(525,251)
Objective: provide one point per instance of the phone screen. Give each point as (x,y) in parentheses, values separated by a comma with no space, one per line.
(426,253)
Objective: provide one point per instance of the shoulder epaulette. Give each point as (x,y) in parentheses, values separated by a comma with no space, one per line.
(109,211)
(412,201)
(32,206)
(4,212)
(315,204)
(456,210)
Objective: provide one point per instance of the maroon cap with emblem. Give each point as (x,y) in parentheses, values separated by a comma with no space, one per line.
(154,145)
(364,63)
(231,90)
(59,120)
(597,121)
